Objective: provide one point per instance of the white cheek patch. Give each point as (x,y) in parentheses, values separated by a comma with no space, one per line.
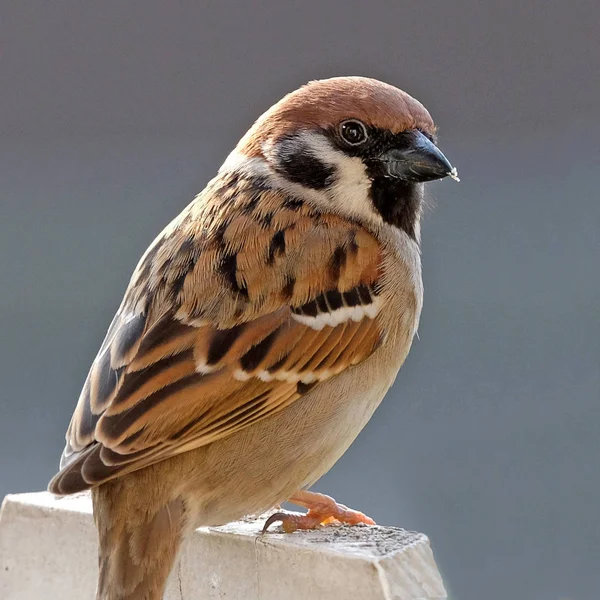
(243,165)
(349,192)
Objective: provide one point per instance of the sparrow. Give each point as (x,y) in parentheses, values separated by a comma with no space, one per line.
(259,332)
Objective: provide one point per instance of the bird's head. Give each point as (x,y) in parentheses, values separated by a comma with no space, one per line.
(350,145)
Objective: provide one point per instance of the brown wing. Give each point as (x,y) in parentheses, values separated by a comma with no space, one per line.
(234,312)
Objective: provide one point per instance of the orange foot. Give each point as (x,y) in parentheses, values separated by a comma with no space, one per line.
(322,510)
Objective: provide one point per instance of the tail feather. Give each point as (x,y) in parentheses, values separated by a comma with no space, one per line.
(135,555)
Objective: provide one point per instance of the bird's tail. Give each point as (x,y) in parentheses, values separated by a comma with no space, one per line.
(136,551)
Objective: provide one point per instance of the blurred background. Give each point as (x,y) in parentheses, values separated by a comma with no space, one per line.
(114,114)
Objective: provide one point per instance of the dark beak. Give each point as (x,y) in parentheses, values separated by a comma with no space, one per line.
(417,159)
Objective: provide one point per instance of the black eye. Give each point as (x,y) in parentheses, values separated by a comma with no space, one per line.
(353,132)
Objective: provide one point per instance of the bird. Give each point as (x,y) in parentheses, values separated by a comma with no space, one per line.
(259,332)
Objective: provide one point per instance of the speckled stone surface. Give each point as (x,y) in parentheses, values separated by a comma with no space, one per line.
(48,550)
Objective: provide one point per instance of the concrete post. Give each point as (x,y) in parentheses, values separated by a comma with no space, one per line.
(48,550)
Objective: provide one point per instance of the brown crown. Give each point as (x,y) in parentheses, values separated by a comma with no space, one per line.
(324,103)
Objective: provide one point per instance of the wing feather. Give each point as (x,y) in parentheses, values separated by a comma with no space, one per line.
(233,313)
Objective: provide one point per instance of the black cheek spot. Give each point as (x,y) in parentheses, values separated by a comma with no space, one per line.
(298,165)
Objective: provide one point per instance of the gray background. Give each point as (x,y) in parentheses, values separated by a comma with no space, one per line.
(113,114)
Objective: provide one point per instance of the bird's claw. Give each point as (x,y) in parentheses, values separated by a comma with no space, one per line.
(322,511)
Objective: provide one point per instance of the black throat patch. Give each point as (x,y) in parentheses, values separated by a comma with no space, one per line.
(398,202)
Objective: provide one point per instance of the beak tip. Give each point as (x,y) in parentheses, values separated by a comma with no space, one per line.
(453,173)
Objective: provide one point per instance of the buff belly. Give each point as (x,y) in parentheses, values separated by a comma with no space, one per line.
(263,465)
